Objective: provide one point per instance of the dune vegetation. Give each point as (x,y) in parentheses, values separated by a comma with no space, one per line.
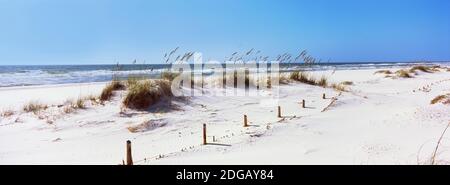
(146,93)
(108,91)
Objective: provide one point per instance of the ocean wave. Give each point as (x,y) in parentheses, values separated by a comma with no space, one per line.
(44,75)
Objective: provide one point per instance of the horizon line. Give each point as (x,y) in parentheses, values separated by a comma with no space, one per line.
(338,62)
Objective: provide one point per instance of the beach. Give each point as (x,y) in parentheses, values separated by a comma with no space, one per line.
(375,120)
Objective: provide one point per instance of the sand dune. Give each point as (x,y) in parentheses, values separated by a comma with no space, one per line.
(378,121)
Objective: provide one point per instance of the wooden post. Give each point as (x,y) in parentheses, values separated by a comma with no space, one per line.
(129,157)
(303,103)
(323,96)
(245,121)
(204,134)
(279,111)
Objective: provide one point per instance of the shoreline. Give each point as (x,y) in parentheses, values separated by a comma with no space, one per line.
(23,76)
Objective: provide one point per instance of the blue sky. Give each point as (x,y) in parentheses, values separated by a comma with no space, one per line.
(105,31)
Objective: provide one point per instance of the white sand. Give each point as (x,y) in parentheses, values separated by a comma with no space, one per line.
(380,121)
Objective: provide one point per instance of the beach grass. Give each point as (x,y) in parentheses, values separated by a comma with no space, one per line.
(339,87)
(80,103)
(402,73)
(445,99)
(323,81)
(68,109)
(6,113)
(303,77)
(170,76)
(425,69)
(108,91)
(347,83)
(146,93)
(34,107)
(131,80)
(386,72)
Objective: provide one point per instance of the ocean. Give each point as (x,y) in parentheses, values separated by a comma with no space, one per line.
(24,75)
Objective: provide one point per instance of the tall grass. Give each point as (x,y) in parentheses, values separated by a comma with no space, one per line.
(339,87)
(167,75)
(323,81)
(80,103)
(34,107)
(108,91)
(303,77)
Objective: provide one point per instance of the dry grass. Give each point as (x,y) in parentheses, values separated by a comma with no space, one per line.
(407,73)
(269,82)
(445,99)
(283,79)
(235,78)
(347,83)
(170,76)
(91,98)
(323,81)
(68,109)
(7,113)
(79,104)
(303,77)
(306,78)
(386,72)
(403,73)
(146,93)
(294,75)
(132,80)
(339,87)
(433,157)
(425,69)
(34,107)
(108,91)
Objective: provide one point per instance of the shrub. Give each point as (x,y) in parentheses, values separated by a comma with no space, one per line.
(146,93)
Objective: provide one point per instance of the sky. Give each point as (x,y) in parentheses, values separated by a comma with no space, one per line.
(39,32)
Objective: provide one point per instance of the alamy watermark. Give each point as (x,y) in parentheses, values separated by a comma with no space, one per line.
(230,78)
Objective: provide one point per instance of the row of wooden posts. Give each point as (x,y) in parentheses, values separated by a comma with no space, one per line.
(128,145)
(246,120)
